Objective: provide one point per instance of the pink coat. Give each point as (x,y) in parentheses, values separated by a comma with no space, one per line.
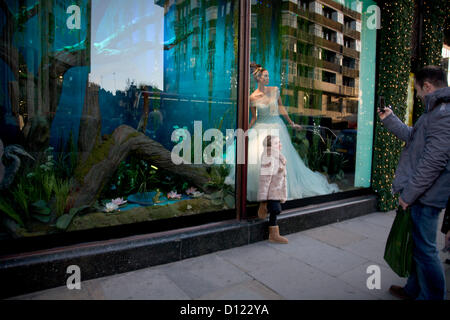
(272,177)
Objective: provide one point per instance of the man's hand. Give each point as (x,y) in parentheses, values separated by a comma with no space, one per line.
(385,114)
(403,204)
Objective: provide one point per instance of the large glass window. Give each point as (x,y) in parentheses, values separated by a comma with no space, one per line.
(313,82)
(114,112)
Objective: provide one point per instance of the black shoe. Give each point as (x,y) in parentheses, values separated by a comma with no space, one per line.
(447,261)
(399,292)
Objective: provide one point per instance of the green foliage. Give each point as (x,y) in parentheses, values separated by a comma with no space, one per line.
(301,144)
(138,176)
(61,193)
(64,221)
(216,180)
(217,175)
(9,210)
(333,163)
(317,155)
(19,195)
(41,211)
(131,177)
(37,193)
(314,154)
(310,152)
(66,160)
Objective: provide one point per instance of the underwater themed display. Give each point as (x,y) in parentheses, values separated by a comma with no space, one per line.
(119,112)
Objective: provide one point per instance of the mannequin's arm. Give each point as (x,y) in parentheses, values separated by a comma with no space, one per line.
(284,113)
(254,116)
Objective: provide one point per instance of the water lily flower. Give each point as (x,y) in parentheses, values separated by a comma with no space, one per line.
(191,190)
(173,195)
(110,207)
(119,201)
(197,194)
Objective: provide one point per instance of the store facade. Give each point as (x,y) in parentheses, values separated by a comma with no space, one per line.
(123,118)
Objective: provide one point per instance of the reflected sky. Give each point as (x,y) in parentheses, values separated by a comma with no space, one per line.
(127,43)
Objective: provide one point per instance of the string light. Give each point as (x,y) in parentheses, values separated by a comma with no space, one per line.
(394,69)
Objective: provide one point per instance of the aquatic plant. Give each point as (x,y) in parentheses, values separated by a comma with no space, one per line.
(132,176)
(8,209)
(197,194)
(61,194)
(110,207)
(173,195)
(41,211)
(37,193)
(119,201)
(64,221)
(216,181)
(67,157)
(191,190)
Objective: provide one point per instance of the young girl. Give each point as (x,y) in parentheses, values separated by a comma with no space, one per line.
(272,185)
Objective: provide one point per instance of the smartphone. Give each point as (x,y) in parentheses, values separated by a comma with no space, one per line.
(382,104)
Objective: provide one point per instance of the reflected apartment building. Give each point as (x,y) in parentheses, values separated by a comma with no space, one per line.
(320,40)
(320,59)
(200,47)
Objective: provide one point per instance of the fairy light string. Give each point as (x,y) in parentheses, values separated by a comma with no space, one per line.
(394,68)
(393,72)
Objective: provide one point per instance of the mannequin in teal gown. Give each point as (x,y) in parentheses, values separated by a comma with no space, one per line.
(266,108)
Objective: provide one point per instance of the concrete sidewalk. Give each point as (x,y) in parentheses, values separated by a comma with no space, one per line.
(328,262)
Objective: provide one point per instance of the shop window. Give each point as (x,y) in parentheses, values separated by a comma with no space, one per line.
(134,123)
(323,96)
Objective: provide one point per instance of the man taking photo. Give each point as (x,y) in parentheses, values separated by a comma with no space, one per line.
(422,180)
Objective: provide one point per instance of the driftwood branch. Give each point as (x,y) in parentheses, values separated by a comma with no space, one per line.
(125,141)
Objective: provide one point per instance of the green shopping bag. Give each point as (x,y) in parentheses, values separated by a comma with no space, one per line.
(398,252)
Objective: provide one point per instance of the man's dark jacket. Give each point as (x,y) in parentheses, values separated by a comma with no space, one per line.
(423,172)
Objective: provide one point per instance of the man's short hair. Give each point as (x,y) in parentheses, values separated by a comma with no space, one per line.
(434,75)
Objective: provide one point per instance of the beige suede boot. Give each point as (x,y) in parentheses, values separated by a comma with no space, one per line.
(274,235)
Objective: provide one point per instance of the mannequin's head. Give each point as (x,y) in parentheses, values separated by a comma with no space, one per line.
(260,74)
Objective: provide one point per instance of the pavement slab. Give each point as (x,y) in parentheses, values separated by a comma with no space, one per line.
(202,275)
(334,236)
(331,260)
(248,290)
